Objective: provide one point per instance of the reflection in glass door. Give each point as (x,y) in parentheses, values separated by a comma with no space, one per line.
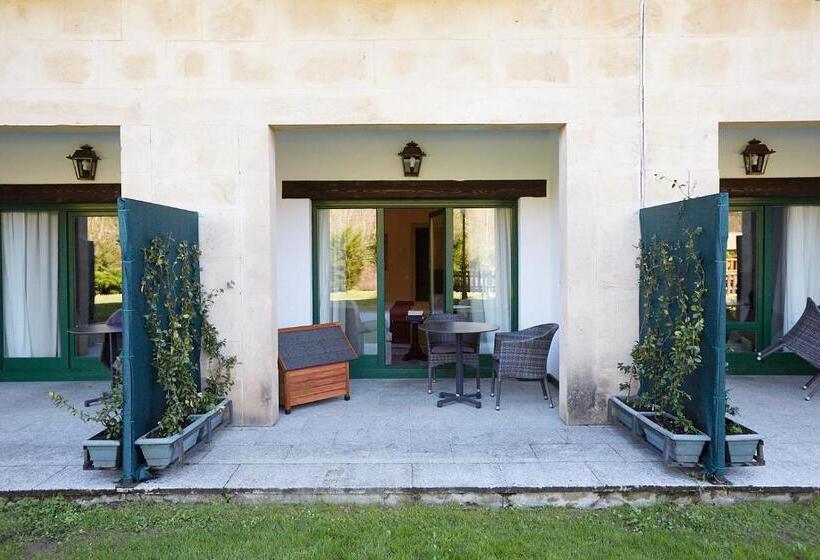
(482,267)
(97,277)
(742,270)
(346,274)
(437,260)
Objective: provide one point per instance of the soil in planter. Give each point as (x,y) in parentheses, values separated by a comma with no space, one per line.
(673,425)
(638,406)
(735,429)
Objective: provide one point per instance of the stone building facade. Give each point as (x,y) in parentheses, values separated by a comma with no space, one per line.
(200,89)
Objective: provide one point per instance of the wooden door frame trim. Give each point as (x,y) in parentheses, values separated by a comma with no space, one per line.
(771,186)
(60,193)
(498,189)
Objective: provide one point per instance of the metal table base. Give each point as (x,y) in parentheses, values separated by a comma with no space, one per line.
(459,396)
(449,398)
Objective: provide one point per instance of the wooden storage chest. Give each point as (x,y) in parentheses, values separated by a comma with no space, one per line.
(313,364)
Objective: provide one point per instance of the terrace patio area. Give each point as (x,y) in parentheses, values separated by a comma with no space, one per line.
(390,439)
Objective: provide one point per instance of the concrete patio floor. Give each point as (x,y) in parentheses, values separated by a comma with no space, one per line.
(391,436)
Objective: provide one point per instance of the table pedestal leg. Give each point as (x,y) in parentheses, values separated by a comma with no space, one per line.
(459,396)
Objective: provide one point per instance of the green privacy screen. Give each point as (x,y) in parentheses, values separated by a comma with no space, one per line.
(144,401)
(707,384)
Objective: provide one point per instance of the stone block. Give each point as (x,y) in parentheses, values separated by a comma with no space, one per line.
(161,19)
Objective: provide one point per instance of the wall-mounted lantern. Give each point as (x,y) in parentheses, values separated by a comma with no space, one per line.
(85,162)
(756,157)
(411,157)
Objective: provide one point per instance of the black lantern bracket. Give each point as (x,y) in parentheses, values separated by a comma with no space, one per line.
(756,157)
(411,157)
(85,161)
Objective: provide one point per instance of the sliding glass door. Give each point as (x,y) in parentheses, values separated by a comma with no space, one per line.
(376,265)
(772,266)
(59,267)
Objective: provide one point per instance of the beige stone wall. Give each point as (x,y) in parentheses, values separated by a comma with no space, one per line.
(194,85)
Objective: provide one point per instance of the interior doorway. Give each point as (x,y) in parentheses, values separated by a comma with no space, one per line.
(380,268)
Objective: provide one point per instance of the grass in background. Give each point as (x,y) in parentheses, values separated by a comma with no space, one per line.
(60,529)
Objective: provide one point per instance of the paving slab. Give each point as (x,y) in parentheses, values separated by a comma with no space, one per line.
(17,478)
(210,476)
(391,435)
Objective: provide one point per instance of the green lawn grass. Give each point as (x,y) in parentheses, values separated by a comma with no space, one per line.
(60,529)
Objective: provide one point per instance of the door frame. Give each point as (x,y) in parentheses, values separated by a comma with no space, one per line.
(64,368)
(781,363)
(372,366)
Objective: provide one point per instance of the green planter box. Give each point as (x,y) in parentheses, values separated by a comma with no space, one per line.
(682,449)
(101,453)
(162,452)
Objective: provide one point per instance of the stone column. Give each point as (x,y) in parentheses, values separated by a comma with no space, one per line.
(599,200)
(257,388)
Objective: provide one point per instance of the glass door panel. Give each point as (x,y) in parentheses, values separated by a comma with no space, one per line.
(97,277)
(347,283)
(743,280)
(482,267)
(437,261)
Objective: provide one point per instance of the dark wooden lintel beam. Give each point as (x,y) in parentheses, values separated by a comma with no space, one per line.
(771,186)
(410,189)
(60,194)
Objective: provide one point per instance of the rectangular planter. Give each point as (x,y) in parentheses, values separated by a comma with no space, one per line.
(621,411)
(683,449)
(161,452)
(222,413)
(744,449)
(101,453)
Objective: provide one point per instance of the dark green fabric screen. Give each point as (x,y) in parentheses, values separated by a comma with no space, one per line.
(144,400)
(707,385)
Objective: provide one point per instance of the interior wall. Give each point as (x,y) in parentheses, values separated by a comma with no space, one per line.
(457,153)
(37,155)
(399,226)
(797,149)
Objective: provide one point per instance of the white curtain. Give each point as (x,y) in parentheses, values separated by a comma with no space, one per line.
(31,327)
(489,235)
(337,311)
(802,261)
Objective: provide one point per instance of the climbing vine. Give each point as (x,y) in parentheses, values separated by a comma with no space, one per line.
(672,292)
(177,308)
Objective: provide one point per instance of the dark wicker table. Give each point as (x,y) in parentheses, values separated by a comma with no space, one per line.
(459,329)
(415,352)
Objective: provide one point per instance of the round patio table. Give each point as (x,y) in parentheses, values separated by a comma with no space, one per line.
(459,329)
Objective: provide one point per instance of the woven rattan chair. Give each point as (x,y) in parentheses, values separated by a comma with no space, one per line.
(441,349)
(523,355)
(804,340)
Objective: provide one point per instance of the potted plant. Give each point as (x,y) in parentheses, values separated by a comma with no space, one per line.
(104,449)
(673,288)
(744,446)
(173,299)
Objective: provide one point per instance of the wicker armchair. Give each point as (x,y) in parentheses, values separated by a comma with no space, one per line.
(523,355)
(804,340)
(441,349)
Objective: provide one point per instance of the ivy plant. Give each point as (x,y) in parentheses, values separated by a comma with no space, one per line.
(672,291)
(220,365)
(177,315)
